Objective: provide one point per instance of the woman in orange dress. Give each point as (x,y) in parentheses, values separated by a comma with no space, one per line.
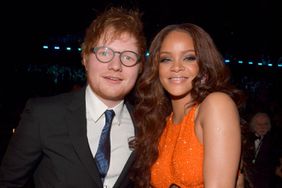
(187,114)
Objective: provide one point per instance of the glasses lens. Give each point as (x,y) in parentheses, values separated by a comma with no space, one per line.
(104,54)
(129,58)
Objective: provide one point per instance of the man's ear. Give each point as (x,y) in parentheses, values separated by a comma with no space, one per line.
(141,68)
(84,62)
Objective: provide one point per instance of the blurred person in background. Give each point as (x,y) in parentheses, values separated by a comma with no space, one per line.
(258,154)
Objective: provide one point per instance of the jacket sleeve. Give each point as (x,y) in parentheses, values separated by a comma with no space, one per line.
(24,150)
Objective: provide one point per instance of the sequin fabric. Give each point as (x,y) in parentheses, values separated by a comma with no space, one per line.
(180,159)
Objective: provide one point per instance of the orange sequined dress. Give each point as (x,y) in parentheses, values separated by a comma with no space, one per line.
(180,159)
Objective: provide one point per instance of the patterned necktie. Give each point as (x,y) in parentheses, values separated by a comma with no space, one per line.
(102,156)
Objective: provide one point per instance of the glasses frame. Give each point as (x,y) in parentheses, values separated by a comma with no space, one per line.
(95,49)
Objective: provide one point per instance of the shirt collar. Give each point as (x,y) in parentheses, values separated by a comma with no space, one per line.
(95,107)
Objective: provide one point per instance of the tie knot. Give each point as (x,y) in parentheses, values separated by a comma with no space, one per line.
(109,115)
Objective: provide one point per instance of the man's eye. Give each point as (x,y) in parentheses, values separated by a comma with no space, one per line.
(128,58)
(104,53)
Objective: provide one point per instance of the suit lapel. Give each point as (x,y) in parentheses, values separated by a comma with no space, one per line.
(77,130)
(124,172)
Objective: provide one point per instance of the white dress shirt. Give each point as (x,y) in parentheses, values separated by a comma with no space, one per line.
(122,131)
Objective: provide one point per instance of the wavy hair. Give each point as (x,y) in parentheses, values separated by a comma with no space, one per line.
(153,103)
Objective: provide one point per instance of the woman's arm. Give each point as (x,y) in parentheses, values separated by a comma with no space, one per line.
(219,119)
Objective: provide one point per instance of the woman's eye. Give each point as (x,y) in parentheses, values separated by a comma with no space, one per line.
(164,60)
(190,58)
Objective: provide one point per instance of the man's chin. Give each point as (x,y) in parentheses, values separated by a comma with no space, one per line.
(115,98)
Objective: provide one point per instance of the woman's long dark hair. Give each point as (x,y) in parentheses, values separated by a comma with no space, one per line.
(153,104)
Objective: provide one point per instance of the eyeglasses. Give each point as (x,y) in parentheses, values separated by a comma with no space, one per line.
(105,54)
